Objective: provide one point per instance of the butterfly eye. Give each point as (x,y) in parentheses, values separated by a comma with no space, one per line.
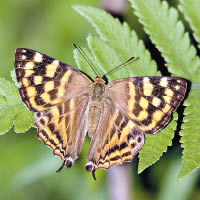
(104,77)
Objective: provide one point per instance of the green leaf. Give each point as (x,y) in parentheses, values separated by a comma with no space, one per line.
(167,33)
(105,56)
(124,41)
(14,79)
(190,9)
(83,65)
(190,133)
(12,110)
(156,144)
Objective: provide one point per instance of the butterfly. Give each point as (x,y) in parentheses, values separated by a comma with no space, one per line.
(67,104)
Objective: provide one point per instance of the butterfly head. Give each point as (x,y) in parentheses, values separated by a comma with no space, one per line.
(99,79)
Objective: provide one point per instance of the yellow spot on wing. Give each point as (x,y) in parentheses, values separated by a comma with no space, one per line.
(25,82)
(50,70)
(49,86)
(132,94)
(31,91)
(29,65)
(66,76)
(163,82)
(55,62)
(147,87)
(38,57)
(169,92)
(166,108)
(126,130)
(45,97)
(61,92)
(157,115)
(144,103)
(156,101)
(28,73)
(167,99)
(142,115)
(55,112)
(38,80)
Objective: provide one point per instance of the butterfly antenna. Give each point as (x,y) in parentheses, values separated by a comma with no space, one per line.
(132,58)
(87,61)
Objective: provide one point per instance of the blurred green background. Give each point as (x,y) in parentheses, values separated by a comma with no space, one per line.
(27,167)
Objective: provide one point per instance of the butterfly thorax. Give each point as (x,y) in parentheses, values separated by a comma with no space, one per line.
(98,89)
(95,105)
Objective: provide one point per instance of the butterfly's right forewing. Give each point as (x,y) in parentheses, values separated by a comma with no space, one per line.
(148,101)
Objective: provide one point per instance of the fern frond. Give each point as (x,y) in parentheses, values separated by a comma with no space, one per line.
(191,133)
(156,145)
(124,41)
(83,65)
(167,33)
(106,56)
(190,9)
(12,110)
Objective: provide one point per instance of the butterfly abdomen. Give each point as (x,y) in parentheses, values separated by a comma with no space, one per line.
(93,118)
(95,105)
